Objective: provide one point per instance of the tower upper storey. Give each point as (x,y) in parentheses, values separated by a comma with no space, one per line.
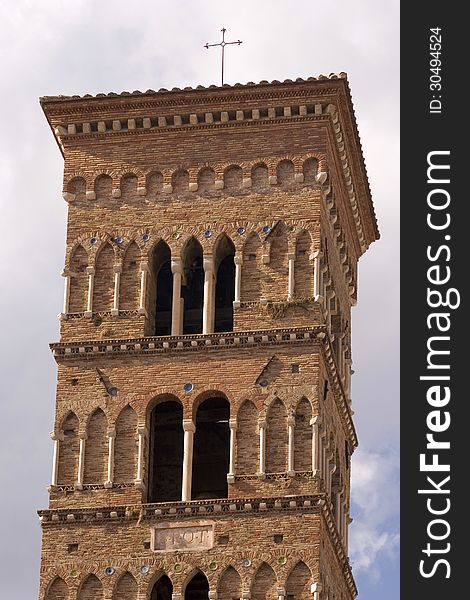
(258,192)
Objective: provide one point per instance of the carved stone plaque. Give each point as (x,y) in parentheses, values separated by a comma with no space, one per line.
(168,537)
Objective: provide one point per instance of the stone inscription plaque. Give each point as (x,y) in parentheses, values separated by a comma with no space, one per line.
(167,538)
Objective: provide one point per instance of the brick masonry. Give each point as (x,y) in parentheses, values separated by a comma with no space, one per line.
(277,169)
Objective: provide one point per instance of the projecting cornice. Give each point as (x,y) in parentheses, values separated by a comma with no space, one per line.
(323,101)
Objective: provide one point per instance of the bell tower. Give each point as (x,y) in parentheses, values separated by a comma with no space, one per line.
(203,427)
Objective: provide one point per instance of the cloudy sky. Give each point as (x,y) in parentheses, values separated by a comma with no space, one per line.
(50,47)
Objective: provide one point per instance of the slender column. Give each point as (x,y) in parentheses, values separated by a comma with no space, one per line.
(338,512)
(262,447)
(208,309)
(291,285)
(290,447)
(176,307)
(238,260)
(317,292)
(233,438)
(65,309)
(141,432)
(316,590)
(111,438)
(315,445)
(189,428)
(117,287)
(144,268)
(331,470)
(343,522)
(91,285)
(81,461)
(57,438)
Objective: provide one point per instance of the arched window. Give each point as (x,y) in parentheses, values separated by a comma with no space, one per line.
(103,187)
(180,181)
(154,183)
(129,186)
(225,284)
(125,449)
(251,279)
(77,186)
(211,449)
(197,588)
(259,177)
(247,439)
(162,288)
(230,585)
(193,287)
(206,180)
(298,583)
(166,452)
(264,586)
(130,279)
(58,590)
(162,589)
(91,589)
(310,168)
(285,172)
(303,286)
(126,588)
(68,451)
(303,436)
(103,289)
(277,274)
(233,178)
(276,438)
(78,280)
(96,448)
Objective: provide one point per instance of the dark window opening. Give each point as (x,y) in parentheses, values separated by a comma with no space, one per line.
(72,548)
(211,450)
(295,368)
(161,289)
(225,285)
(225,294)
(197,588)
(193,288)
(163,589)
(278,538)
(164,300)
(166,452)
(223,540)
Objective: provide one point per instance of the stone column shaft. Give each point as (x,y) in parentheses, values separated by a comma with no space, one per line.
(81,461)
(233,437)
(189,428)
(91,285)
(176,306)
(238,279)
(141,431)
(262,447)
(111,439)
(143,287)
(55,458)
(291,284)
(117,288)
(208,307)
(65,308)
(290,447)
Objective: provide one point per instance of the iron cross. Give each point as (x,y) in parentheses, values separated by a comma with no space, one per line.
(223,43)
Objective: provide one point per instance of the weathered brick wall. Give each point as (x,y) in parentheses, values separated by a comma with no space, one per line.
(126,588)
(68,451)
(125,449)
(58,590)
(247,439)
(91,589)
(96,448)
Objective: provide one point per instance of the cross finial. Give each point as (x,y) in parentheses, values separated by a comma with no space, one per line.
(223,43)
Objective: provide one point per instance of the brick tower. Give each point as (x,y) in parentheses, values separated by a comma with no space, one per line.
(203,428)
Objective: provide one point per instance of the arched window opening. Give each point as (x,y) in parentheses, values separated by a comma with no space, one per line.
(126,588)
(225,285)
(78,280)
(303,436)
(259,177)
(193,287)
(233,178)
(77,186)
(154,183)
(310,168)
(68,452)
(125,448)
(163,589)
(285,172)
(129,186)
(276,441)
(206,180)
(103,290)
(58,590)
(251,278)
(264,585)
(230,585)
(103,187)
(96,448)
(298,583)
(92,589)
(130,278)
(211,450)
(197,588)
(247,439)
(166,452)
(163,288)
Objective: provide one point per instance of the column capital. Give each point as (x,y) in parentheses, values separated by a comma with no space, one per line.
(291,420)
(188,425)
(90,270)
(232,423)
(111,432)
(83,435)
(238,258)
(176,265)
(144,266)
(141,430)
(262,424)
(315,420)
(57,437)
(291,255)
(316,587)
(65,272)
(117,268)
